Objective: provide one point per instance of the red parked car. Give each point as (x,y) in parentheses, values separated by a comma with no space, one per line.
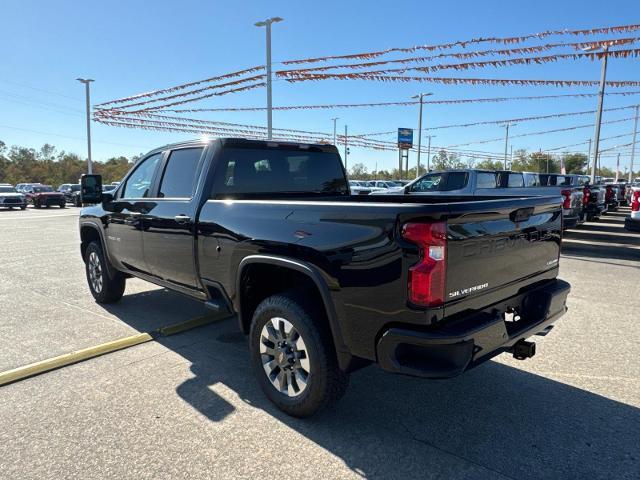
(44,196)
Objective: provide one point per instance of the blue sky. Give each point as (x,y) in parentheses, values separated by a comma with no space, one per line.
(133,46)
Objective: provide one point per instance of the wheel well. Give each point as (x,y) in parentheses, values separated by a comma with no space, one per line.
(88,235)
(260,281)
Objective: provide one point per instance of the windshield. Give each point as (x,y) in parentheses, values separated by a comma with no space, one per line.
(4,189)
(43,188)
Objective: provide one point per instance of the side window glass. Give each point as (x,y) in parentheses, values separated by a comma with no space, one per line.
(486,180)
(428,183)
(139,182)
(531,180)
(178,179)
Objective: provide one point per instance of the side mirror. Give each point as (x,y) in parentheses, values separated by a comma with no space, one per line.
(91,189)
(406,189)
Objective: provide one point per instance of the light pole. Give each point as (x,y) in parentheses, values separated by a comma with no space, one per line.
(633,144)
(86,82)
(267,23)
(334,128)
(419,96)
(603,78)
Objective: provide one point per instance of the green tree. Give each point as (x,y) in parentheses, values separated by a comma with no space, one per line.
(575,162)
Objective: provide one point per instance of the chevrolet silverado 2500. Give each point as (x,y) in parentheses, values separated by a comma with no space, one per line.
(322,281)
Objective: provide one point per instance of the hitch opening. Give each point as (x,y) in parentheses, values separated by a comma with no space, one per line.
(523,349)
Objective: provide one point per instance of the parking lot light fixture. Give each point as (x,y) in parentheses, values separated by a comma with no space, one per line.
(267,23)
(603,76)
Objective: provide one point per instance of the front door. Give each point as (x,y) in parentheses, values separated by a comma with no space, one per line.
(169,235)
(127,213)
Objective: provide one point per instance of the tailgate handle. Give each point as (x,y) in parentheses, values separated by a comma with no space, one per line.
(521,215)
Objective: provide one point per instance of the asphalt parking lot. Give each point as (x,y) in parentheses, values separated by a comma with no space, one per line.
(187,406)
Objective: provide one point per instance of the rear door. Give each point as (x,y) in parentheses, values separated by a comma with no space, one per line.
(125,215)
(496,246)
(169,225)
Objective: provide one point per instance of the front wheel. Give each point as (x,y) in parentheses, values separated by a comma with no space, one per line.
(104,288)
(293,356)
(63,205)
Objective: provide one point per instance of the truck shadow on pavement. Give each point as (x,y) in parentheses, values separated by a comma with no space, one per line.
(493,422)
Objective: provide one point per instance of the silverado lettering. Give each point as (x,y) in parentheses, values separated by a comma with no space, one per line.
(493,245)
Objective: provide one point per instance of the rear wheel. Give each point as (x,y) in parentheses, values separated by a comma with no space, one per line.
(293,356)
(104,288)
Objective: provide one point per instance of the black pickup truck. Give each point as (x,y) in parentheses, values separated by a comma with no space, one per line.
(322,281)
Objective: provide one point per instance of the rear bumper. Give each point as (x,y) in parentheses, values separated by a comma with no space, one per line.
(570,220)
(594,209)
(450,349)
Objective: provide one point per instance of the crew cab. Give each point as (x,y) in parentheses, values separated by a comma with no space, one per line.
(322,281)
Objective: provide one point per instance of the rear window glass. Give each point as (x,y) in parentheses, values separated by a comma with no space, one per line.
(515,180)
(179,175)
(279,171)
(486,180)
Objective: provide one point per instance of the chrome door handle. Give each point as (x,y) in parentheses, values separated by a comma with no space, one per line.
(182,219)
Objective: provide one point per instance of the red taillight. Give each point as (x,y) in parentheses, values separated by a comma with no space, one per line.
(609,194)
(426,281)
(566,204)
(586,195)
(635,203)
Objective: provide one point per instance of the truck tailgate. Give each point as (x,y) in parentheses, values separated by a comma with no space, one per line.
(498,250)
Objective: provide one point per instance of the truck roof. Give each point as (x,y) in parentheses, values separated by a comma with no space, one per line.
(247,143)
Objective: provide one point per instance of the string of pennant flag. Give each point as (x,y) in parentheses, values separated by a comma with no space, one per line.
(149,110)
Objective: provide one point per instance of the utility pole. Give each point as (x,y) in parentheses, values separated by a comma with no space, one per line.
(267,23)
(633,144)
(334,129)
(420,96)
(603,78)
(618,167)
(346,148)
(589,155)
(429,154)
(511,158)
(86,82)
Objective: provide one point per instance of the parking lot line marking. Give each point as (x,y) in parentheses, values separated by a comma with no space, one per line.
(40,216)
(43,366)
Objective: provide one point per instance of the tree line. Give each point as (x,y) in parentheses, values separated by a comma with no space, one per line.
(52,167)
(523,161)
